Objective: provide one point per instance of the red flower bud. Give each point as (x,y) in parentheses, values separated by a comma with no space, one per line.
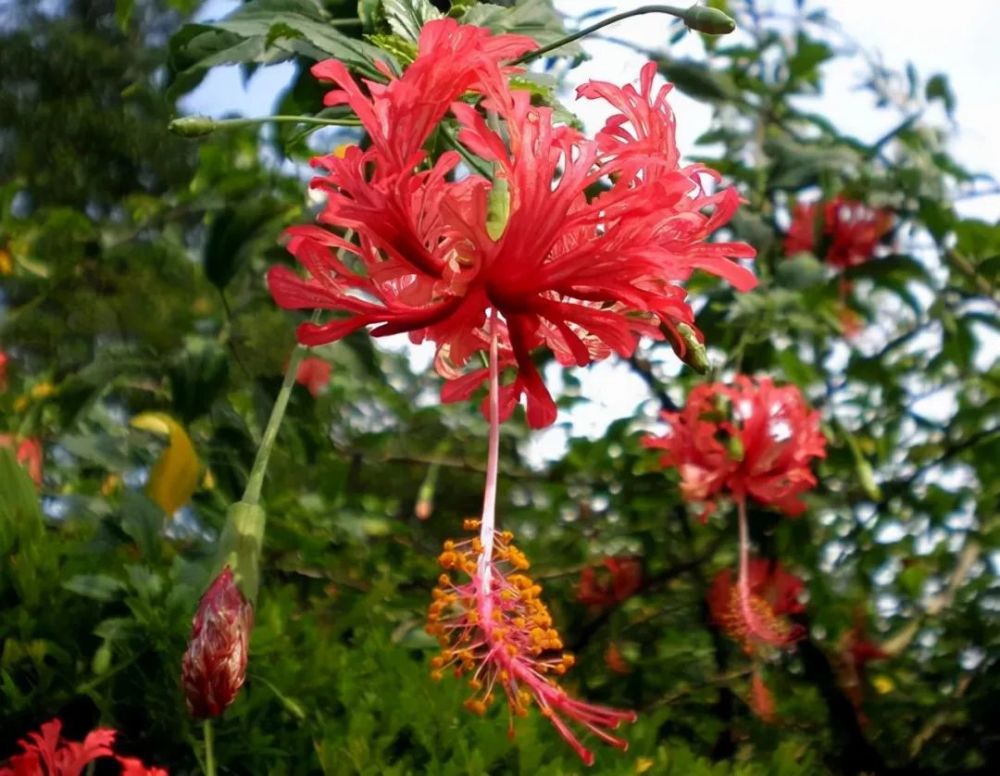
(215,663)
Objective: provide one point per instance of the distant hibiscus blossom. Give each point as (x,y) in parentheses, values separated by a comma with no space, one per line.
(3,371)
(314,374)
(752,439)
(432,256)
(46,753)
(29,453)
(749,440)
(774,592)
(622,579)
(842,231)
(855,650)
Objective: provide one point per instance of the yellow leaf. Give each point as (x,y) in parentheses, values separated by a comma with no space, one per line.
(174,476)
(643,764)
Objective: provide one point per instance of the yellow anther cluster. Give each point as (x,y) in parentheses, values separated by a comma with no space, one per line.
(519,631)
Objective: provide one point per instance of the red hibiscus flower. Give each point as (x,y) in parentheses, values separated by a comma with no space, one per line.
(622,580)
(774,593)
(855,650)
(844,231)
(314,374)
(215,662)
(46,753)
(432,256)
(3,371)
(749,439)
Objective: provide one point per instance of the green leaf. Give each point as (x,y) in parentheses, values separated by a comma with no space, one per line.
(23,560)
(977,239)
(698,80)
(808,56)
(318,37)
(263,32)
(99,448)
(115,628)
(99,587)
(938,88)
(123,13)
(797,165)
(197,377)
(196,48)
(537,19)
(801,271)
(937,217)
(402,49)
(407,17)
(142,521)
(232,235)
(898,267)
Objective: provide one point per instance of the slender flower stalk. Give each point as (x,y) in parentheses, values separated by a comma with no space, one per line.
(699,18)
(750,439)
(214,665)
(495,626)
(199,126)
(209,734)
(487,528)
(758,616)
(251,494)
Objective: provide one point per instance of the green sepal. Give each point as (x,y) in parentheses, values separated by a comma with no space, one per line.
(695,355)
(498,209)
(240,545)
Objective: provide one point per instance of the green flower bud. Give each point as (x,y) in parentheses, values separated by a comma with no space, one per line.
(192,126)
(712,21)
(240,543)
(695,355)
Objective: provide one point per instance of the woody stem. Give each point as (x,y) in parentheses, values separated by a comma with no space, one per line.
(487,526)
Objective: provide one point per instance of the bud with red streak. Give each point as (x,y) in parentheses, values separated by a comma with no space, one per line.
(215,663)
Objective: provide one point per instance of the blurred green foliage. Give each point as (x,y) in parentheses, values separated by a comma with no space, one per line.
(135,284)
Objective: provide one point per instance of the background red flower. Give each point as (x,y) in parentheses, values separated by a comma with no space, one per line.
(749,439)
